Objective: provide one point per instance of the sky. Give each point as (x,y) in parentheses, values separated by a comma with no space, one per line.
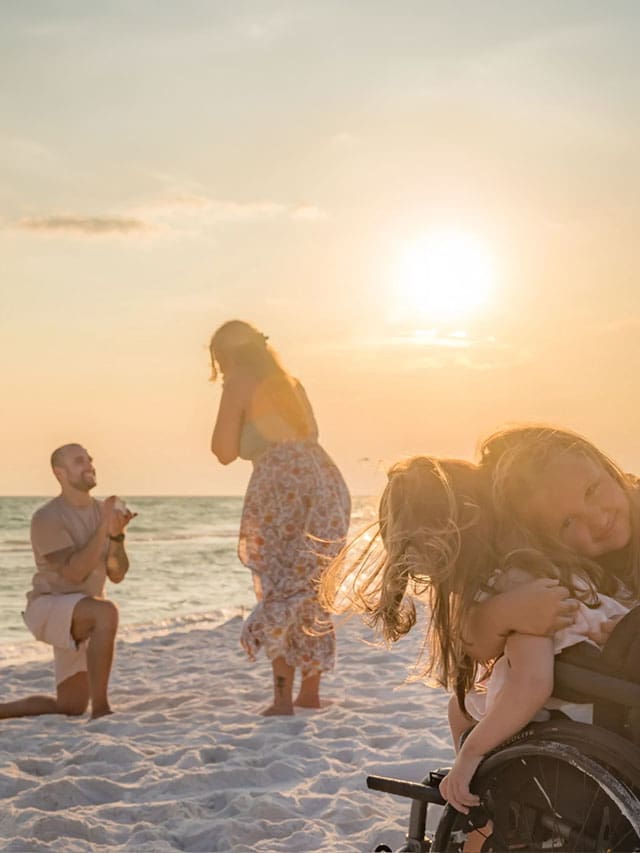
(429,207)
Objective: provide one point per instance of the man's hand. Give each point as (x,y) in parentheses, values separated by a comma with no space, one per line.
(107,510)
(117,518)
(117,560)
(541,607)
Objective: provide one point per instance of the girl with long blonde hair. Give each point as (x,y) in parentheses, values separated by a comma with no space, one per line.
(433,541)
(551,489)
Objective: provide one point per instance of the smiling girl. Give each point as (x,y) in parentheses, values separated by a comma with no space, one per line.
(554,491)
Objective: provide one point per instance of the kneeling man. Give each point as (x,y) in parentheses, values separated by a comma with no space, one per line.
(77,543)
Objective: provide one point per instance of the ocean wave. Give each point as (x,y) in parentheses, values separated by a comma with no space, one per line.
(180,624)
(31,650)
(183,537)
(14,545)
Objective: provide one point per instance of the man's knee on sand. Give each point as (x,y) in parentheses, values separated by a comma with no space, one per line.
(73,707)
(72,696)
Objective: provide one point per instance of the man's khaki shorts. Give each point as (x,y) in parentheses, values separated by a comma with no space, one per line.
(49,618)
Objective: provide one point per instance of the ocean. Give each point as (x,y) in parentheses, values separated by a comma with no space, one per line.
(184,567)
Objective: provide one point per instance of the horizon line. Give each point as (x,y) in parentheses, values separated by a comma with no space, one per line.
(167,495)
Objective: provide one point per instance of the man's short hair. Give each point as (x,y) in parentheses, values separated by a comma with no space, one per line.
(57,457)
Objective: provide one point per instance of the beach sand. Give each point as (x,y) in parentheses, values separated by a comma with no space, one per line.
(185,763)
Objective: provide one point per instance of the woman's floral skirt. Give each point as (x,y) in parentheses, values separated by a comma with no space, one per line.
(294,521)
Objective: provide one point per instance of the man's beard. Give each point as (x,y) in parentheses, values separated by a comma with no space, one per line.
(82,484)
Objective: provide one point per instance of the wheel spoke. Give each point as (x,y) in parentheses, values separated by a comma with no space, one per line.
(543,789)
(596,796)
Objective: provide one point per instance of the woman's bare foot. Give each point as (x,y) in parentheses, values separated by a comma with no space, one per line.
(303,702)
(282,689)
(309,692)
(101,712)
(277,711)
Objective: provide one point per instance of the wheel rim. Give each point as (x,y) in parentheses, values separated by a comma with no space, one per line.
(546,796)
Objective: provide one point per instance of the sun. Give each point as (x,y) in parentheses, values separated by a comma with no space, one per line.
(446,277)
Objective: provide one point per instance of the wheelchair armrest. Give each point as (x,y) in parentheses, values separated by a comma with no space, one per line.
(597,686)
(412,790)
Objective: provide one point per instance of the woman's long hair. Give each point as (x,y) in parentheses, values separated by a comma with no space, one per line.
(433,541)
(514,460)
(249,349)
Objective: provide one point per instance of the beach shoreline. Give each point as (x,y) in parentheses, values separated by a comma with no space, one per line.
(186,763)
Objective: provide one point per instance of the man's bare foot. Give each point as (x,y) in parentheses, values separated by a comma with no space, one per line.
(101,712)
(277,711)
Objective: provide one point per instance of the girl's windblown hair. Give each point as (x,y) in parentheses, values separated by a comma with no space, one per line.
(515,460)
(432,541)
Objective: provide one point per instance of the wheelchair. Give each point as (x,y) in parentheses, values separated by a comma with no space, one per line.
(558,785)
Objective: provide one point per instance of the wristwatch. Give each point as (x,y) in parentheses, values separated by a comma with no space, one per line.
(118,538)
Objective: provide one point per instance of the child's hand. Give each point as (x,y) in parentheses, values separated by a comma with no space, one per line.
(603,632)
(455,785)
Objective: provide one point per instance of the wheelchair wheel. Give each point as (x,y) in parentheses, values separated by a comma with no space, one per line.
(542,794)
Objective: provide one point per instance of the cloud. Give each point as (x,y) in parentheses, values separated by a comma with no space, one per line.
(174,215)
(253,211)
(457,348)
(23,150)
(264,29)
(420,349)
(343,139)
(433,338)
(186,210)
(307,211)
(88,225)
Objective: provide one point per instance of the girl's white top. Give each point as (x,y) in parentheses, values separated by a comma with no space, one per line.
(588,620)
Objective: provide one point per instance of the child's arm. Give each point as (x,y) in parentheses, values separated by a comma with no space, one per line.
(540,607)
(528,686)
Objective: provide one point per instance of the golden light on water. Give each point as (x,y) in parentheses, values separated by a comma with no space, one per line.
(445,277)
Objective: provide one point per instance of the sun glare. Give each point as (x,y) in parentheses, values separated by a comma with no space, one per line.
(445,277)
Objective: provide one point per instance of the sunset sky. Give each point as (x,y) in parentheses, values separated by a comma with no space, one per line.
(431,208)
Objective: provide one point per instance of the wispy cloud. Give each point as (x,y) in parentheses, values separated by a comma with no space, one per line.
(225,210)
(263,28)
(420,349)
(434,338)
(188,210)
(474,353)
(92,225)
(343,140)
(177,215)
(23,149)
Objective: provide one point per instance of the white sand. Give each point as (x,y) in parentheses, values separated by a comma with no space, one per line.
(185,763)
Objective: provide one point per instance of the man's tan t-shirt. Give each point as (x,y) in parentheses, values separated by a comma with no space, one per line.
(55,526)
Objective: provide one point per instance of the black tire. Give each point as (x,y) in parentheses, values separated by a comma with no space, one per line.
(558,786)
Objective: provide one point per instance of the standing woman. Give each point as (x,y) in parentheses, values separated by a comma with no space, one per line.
(295,515)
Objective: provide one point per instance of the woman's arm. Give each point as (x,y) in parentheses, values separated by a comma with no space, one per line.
(528,686)
(540,607)
(225,441)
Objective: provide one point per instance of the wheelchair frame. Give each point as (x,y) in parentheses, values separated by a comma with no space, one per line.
(558,785)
